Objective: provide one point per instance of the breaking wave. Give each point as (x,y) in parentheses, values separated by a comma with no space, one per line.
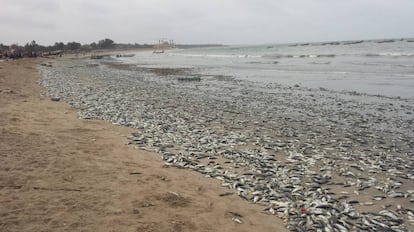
(280,56)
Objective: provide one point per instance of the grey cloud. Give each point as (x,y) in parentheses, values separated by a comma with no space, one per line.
(200,21)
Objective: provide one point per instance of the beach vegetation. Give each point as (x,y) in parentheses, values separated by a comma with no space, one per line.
(33,49)
(73,46)
(106,43)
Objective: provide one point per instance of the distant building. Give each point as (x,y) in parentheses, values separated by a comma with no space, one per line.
(164,44)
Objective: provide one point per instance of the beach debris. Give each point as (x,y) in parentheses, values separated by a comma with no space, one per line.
(185,79)
(135,173)
(237,220)
(98,57)
(125,55)
(55,98)
(146,204)
(235,214)
(225,194)
(46,64)
(319,159)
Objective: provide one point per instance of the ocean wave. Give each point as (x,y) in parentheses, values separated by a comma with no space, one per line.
(371,54)
(397,54)
(263,62)
(281,56)
(328,62)
(216,55)
(291,56)
(326,55)
(384,64)
(391,54)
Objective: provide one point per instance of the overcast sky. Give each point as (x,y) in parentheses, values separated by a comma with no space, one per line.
(204,21)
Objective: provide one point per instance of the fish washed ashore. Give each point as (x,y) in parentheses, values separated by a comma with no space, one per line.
(320,159)
(60,173)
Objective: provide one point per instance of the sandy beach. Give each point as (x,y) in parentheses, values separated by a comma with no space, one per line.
(60,173)
(155,116)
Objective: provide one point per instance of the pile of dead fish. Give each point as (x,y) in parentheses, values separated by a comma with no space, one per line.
(321,160)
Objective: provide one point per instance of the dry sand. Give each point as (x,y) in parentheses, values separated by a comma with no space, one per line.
(60,173)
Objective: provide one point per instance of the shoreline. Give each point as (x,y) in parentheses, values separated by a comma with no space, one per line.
(284,148)
(63,173)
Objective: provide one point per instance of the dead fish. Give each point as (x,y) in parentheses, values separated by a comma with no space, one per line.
(396,194)
(367,203)
(237,220)
(235,214)
(225,194)
(378,198)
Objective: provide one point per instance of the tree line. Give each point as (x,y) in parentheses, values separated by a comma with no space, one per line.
(33,48)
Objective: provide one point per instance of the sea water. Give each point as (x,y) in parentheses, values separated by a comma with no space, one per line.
(370,67)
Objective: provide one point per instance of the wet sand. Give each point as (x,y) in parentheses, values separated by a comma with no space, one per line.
(60,173)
